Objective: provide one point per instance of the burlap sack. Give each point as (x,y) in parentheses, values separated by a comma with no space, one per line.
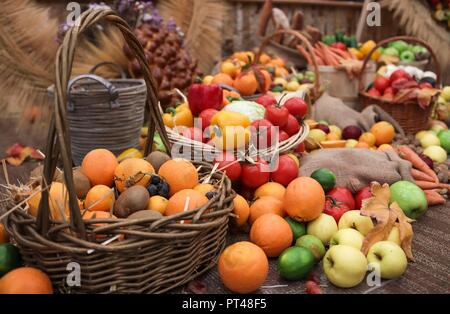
(334,111)
(356,168)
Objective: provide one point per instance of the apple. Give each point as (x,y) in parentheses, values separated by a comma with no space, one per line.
(361,195)
(336,130)
(351,132)
(313,244)
(374,92)
(389,258)
(347,236)
(430,139)
(317,135)
(266,100)
(444,138)
(399,74)
(427,160)
(322,227)
(407,56)
(354,219)
(394,236)
(436,153)
(381,83)
(446,93)
(351,143)
(344,266)
(391,51)
(323,127)
(410,198)
(292,86)
(421,134)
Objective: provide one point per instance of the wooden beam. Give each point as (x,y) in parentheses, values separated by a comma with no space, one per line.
(330,3)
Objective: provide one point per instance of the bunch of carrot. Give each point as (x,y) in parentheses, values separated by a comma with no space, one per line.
(326,55)
(424,176)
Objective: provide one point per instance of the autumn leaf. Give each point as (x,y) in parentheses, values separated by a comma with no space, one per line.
(387,216)
(425,95)
(16,154)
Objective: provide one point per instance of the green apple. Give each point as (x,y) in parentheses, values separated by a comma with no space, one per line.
(444,138)
(436,153)
(313,244)
(400,45)
(391,52)
(347,236)
(389,258)
(336,130)
(344,266)
(351,143)
(322,227)
(446,93)
(421,134)
(429,139)
(437,128)
(410,198)
(407,56)
(354,219)
(394,236)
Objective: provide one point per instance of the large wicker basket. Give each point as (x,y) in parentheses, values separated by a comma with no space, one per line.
(151,255)
(410,115)
(202,150)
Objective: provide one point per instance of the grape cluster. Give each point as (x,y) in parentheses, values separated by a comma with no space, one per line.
(158,186)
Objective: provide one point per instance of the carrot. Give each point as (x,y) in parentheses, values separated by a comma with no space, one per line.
(319,53)
(328,58)
(407,153)
(427,185)
(344,54)
(421,176)
(434,198)
(305,53)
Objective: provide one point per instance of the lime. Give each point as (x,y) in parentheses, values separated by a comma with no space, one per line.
(9,258)
(295,263)
(325,177)
(298,228)
(312,243)
(444,137)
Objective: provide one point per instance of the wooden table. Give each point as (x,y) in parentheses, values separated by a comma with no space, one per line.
(429,274)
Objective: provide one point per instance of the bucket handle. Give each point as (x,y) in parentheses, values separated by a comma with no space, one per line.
(113,92)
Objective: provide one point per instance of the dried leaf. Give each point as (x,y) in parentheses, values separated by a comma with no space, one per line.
(379,200)
(385,222)
(405,229)
(17,154)
(424,96)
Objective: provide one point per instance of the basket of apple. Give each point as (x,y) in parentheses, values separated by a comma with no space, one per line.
(405,92)
(401,53)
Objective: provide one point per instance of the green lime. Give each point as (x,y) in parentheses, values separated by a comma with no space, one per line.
(312,243)
(444,137)
(295,263)
(298,228)
(325,177)
(9,258)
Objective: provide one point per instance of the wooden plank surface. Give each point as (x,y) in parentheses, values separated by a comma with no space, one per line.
(429,274)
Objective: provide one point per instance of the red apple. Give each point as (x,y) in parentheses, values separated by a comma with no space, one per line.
(381,83)
(351,132)
(266,100)
(323,127)
(286,170)
(361,195)
(425,85)
(292,126)
(227,163)
(399,74)
(206,116)
(195,134)
(374,92)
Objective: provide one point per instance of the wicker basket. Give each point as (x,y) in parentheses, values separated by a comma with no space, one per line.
(199,149)
(411,117)
(151,255)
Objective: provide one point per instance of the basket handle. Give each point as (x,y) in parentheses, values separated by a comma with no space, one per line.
(58,141)
(123,75)
(408,39)
(301,37)
(113,93)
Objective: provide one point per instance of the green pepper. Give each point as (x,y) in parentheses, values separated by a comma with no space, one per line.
(329,40)
(353,43)
(339,36)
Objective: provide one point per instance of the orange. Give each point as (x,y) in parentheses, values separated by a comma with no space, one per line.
(264,58)
(278,62)
(273,189)
(368,138)
(246,84)
(177,203)
(25,280)
(244,56)
(241,210)
(100,198)
(243,267)
(222,78)
(157,203)
(87,215)
(180,174)
(58,202)
(385,147)
(281,72)
(272,233)
(265,205)
(333,137)
(204,188)
(133,171)
(4,237)
(304,199)
(99,165)
(384,132)
(362,145)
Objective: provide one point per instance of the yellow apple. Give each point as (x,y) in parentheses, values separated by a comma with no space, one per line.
(354,219)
